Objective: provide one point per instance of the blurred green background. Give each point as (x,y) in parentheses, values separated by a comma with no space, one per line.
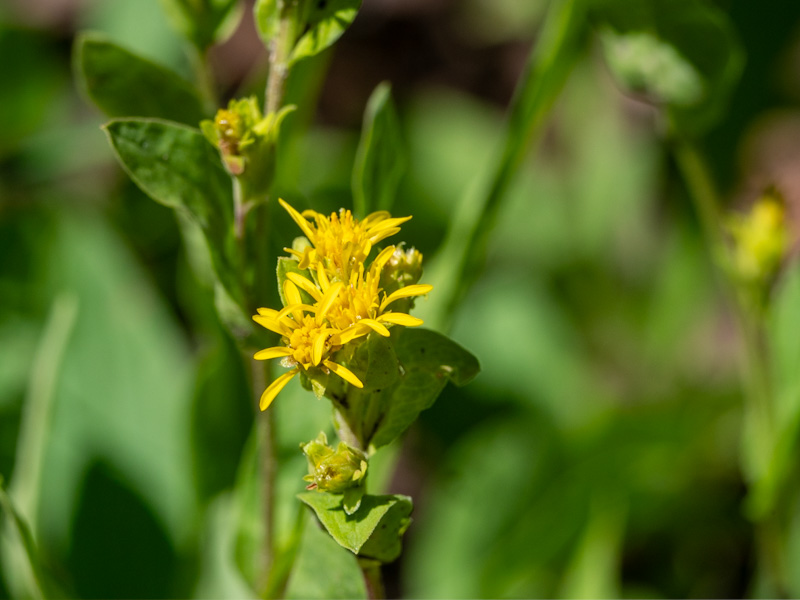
(596,455)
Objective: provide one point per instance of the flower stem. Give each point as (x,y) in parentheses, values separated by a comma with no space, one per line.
(265,421)
(373,579)
(204,78)
(279,50)
(759,411)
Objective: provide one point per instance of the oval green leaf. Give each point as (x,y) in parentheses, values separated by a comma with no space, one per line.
(124,84)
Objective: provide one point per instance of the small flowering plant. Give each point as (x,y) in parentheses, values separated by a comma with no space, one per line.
(346,288)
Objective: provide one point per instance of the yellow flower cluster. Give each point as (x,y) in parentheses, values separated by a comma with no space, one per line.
(348,300)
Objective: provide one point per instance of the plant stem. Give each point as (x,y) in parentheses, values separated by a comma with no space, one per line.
(279,50)
(265,421)
(373,579)
(759,417)
(204,78)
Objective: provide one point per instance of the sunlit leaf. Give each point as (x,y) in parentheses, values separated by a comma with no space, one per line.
(124,84)
(374,531)
(327,22)
(177,167)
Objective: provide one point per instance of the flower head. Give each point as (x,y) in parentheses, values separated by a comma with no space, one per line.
(348,298)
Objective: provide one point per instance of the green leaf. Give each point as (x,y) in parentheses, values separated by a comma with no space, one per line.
(373,531)
(41,580)
(267,17)
(203,22)
(324,570)
(124,84)
(380,160)
(290,265)
(683,53)
(177,167)
(327,22)
(428,360)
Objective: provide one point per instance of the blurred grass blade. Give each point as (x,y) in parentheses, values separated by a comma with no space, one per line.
(594,569)
(34,435)
(123,84)
(460,259)
(380,159)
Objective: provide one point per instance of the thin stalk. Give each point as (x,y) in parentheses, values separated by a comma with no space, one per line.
(279,50)
(759,396)
(204,78)
(373,579)
(460,260)
(265,421)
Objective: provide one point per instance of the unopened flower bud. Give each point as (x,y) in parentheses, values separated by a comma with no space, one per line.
(334,471)
(403,268)
(760,239)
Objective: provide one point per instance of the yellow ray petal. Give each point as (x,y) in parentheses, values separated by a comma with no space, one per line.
(382,234)
(292,296)
(344,373)
(298,218)
(305,285)
(382,258)
(405,292)
(400,319)
(375,326)
(273,352)
(331,294)
(319,346)
(293,307)
(349,334)
(280,327)
(373,218)
(274,389)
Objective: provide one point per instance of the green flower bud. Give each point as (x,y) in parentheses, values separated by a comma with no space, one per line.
(334,471)
(403,268)
(246,139)
(760,239)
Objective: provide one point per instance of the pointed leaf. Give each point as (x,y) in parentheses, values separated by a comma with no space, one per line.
(124,84)
(267,17)
(380,160)
(327,22)
(373,531)
(428,361)
(177,167)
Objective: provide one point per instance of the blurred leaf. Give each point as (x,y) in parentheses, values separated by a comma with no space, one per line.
(428,360)
(177,167)
(203,22)
(684,53)
(32,83)
(380,160)
(327,21)
(44,588)
(784,345)
(123,84)
(123,395)
(324,570)
(219,576)
(373,531)
(595,565)
(248,514)
(267,16)
(34,437)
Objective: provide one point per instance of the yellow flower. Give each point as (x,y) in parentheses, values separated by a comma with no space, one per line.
(308,340)
(362,305)
(340,241)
